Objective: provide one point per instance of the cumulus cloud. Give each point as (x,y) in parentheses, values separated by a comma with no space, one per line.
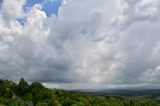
(12,9)
(97,42)
(132,12)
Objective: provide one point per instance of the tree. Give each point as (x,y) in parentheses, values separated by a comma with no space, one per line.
(23,87)
(41,104)
(36,86)
(56,103)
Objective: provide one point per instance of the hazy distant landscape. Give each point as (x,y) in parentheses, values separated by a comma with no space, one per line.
(35,94)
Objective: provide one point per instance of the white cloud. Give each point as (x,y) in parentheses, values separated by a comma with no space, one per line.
(132,12)
(12,9)
(85,43)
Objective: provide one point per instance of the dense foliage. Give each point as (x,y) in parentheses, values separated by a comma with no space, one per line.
(35,94)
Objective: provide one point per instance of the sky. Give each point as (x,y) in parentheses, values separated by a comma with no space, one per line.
(81,43)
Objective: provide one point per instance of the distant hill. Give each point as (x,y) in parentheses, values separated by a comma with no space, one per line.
(35,94)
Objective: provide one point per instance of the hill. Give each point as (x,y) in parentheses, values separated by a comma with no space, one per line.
(35,94)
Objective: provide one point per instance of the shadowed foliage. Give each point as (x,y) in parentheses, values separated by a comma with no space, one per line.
(36,94)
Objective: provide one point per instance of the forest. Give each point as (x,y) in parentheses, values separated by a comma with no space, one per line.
(35,94)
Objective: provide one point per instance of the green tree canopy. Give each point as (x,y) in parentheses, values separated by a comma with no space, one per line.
(36,85)
(23,87)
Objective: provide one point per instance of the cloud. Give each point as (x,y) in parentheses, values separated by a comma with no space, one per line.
(93,42)
(12,9)
(132,12)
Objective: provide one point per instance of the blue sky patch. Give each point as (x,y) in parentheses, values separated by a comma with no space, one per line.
(1,1)
(50,7)
(22,20)
(31,3)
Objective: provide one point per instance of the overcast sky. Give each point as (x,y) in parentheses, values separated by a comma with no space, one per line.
(78,42)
